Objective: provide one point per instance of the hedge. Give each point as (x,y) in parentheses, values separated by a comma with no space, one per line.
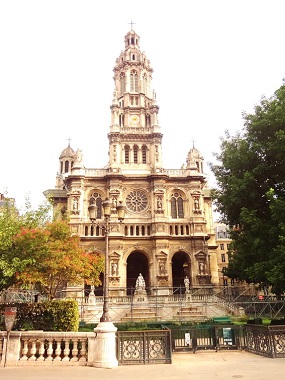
(56,315)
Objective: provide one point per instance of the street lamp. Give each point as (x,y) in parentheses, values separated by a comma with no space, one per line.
(105,348)
(106,226)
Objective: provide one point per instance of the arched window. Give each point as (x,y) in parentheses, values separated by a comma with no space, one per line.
(96,199)
(66,166)
(135,150)
(176,204)
(147,120)
(144,149)
(121,120)
(122,83)
(134,81)
(145,84)
(127,154)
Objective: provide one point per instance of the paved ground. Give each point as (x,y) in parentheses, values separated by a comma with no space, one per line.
(223,365)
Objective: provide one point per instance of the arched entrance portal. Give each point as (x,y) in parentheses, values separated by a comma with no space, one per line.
(137,263)
(181,268)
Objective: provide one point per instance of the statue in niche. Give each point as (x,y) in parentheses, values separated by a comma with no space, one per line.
(196,203)
(159,203)
(187,284)
(162,270)
(140,284)
(75,204)
(202,268)
(114,269)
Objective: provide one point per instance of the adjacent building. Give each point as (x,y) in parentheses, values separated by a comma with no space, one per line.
(223,241)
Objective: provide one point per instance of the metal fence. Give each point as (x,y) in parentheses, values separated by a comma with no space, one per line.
(144,347)
(261,340)
(213,337)
(168,303)
(266,341)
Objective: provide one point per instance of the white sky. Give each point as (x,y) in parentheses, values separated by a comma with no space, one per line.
(212,59)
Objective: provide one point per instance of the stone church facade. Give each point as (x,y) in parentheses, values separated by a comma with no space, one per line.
(168,233)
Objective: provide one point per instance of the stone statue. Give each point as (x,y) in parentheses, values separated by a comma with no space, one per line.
(162,268)
(75,204)
(114,269)
(187,284)
(140,283)
(159,203)
(202,268)
(196,203)
(79,155)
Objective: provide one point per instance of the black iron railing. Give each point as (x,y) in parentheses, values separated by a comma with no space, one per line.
(144,347)
(267,341)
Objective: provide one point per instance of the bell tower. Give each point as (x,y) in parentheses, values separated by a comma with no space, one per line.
(134,138)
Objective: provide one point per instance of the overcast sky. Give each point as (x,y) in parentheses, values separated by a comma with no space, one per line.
(212,59)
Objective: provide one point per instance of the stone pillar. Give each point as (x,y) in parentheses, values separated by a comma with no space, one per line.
(105,345)
(13,350)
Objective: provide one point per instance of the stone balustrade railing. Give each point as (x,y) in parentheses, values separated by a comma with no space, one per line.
(47,348)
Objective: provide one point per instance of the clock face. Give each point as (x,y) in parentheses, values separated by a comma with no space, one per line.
(134,119)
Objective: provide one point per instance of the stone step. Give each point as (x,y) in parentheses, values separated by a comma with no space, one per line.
(140,318)
(190,312)
(140,314)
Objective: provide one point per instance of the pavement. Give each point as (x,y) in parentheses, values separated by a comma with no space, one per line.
(206,365)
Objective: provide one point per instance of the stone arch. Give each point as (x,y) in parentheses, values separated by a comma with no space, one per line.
(181,267)
(137,262)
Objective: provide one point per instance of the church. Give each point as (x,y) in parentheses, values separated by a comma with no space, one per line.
(167,234)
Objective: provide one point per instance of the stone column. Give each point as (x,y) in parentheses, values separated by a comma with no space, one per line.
(13,350)
(105,346)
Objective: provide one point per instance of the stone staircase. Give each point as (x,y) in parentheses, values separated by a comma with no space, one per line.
(189,313)
(140,314)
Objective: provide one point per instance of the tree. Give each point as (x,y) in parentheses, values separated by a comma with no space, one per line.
(250,194)
(11,221)
(54,258)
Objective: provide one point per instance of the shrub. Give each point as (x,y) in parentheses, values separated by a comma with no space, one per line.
(56,315)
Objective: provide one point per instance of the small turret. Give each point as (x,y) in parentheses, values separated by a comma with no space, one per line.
(195,161)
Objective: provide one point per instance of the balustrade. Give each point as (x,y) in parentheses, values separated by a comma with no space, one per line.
(54,347)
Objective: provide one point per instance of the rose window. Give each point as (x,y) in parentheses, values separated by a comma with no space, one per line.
(136,201)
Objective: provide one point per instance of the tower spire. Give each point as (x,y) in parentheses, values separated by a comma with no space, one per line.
(132,23)
(135,137)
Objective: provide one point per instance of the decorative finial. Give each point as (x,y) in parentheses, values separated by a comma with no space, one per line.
(132,23)
(193,141)
(69,139)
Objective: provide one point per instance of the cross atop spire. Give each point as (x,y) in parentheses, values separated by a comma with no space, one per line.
(132,23)
(69,139)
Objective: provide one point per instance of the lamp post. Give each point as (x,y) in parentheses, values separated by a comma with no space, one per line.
(105,350)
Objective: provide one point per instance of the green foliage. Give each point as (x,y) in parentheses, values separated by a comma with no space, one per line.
(11,222)
(54,258)
(56,315)
(250,194)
